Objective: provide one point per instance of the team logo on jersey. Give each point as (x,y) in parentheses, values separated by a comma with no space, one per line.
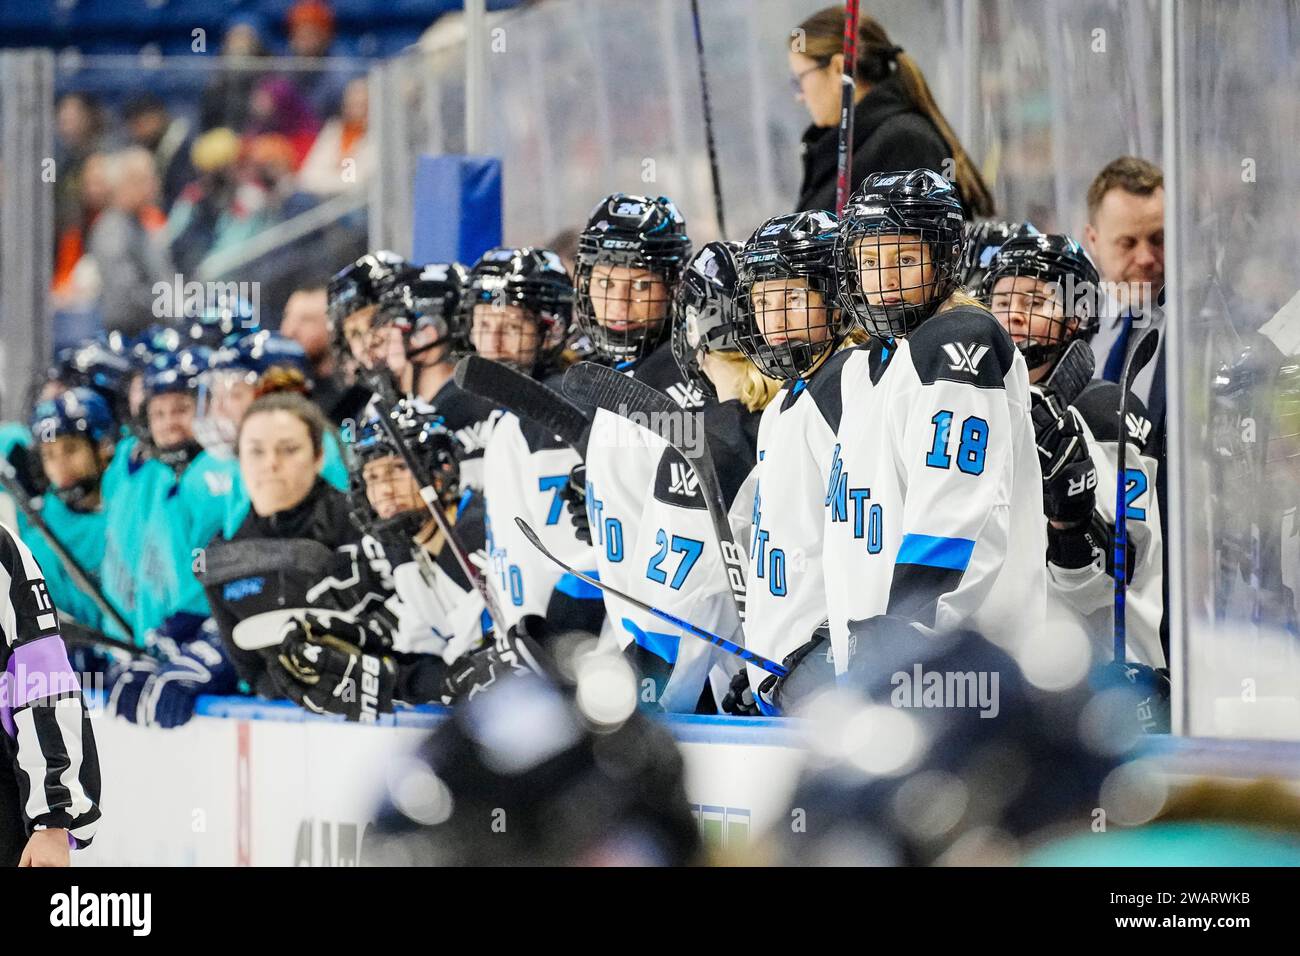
(682,480)
(685,394)
(1139,428)
(965,358)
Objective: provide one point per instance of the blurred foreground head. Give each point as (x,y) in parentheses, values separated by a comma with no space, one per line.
(528,774)
(942,751)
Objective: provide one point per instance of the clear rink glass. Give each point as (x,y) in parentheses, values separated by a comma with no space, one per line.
(1234,318)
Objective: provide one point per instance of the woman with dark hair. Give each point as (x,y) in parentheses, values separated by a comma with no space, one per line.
(896,122)
(297,547)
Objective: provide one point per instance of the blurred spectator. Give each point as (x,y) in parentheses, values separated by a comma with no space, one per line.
(226,98)
(71,246)
(168,138)
(342,157)
(306,321)
(80,122)
(310,25)
(565,245)
(217,210)
(269,163)
(278,107)
(128,243)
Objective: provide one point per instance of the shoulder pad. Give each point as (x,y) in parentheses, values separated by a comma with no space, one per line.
(1098,405)
(965,345)
(676,482)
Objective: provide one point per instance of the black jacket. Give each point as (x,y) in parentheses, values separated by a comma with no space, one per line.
(888,134)
(243,580)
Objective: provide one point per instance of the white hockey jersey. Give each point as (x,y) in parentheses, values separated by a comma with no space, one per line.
(933,502)
(526,478)
(622,459)
(785,592)
(1084,596)
(680,567)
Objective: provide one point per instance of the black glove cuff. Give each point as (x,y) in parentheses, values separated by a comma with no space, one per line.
(1069,547)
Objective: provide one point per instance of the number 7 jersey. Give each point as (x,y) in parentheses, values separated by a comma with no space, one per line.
(934,505)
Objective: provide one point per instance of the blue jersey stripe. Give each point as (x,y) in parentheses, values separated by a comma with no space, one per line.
(656,642)
(575,587)
(952,554)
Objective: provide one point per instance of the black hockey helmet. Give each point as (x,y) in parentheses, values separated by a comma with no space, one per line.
(96,366)
(781,330)
(358,286)
(629,232)
(1042,319)
(984,237)
(893,217)
(423,297)
(704,311)
(532,279)
(436,448)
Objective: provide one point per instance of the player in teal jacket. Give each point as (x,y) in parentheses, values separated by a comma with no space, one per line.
(75,435)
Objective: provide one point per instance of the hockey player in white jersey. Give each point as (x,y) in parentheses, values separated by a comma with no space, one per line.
(1043,289)
(516,310)
(631,255)
(933,501)
(676,550)
(790,327)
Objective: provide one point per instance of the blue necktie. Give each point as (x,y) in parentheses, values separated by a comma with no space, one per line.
(1115,360)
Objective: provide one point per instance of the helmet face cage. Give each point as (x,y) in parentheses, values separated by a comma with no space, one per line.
(704,315)
(900,250)
(787,313)
(435,448)
(629,261)
(1043,291)
(983,240)
(224,394)
(359,286)
(517,309)
(423,305)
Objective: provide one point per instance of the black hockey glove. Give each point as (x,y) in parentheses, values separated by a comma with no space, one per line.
(739,699)
(331,665)
(575,500)
(1150,688)
(1069,476)
(812,670)
(516,652)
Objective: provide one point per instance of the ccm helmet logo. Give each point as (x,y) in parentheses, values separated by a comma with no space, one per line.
(618,244)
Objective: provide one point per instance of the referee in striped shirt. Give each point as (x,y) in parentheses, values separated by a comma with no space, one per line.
(49,771)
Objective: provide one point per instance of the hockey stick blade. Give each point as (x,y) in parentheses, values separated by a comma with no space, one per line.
(1138,358)
(655,411)
(1073,372)
(525,397)
(758,660)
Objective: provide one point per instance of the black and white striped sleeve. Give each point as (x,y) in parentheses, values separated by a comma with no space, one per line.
(41,707)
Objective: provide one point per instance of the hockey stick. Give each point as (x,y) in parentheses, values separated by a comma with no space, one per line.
(731,647)
(80,577)
(626,397)
(526,397)
(386,400)
(847,88)
(76,634)
(1138,358)
(708,120)
(1073,372)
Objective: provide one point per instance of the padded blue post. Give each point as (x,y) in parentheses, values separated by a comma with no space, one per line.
(457,208)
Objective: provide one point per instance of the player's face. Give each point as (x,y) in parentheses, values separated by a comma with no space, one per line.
(788,310)
(1030,309)
(171,418)
(505,333)
(894,270)
(626,299)
(277,461)
(135,394)
(68,459)
(390,487)
(356,333)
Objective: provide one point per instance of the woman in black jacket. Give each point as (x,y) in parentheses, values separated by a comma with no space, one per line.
(896,122)
(297,548)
